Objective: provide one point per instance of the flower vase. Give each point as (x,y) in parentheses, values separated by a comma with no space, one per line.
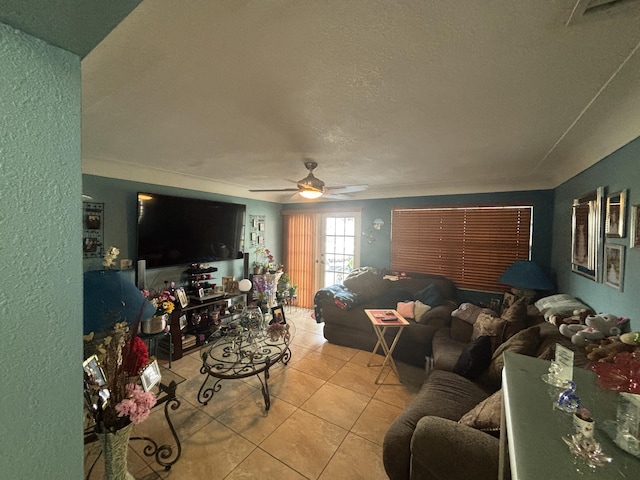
(115,446)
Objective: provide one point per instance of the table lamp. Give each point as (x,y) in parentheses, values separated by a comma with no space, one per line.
(527,278)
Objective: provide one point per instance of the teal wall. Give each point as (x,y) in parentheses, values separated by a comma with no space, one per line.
(618,171)
(40,237)
(120,221)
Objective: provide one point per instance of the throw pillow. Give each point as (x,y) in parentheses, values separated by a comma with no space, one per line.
(490,326)
(486,415)
(475,358)
(469,312)
(405,309)
(429,295)
(516,317)
(420,310)
(524,342)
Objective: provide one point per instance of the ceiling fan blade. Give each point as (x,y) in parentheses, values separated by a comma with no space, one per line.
(275,190)
(336,196)
(347,189)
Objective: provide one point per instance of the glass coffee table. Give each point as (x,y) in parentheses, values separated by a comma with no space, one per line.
(232,354)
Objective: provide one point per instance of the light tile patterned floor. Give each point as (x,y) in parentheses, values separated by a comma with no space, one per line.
(327,418)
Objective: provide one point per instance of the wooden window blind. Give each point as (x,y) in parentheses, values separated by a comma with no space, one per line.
(472,246)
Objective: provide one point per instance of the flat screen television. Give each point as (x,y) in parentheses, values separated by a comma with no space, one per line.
(179,231)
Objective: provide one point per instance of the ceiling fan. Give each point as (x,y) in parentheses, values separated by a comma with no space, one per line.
(311,187)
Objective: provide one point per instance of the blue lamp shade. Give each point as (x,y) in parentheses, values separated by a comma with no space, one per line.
(109,296)
(527,275)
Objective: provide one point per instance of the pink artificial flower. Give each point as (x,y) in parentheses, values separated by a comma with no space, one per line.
(138,404)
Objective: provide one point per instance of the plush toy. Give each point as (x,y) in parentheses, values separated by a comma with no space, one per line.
(581,334)
(631,338)
(607,323)
(607,349)
(576,318)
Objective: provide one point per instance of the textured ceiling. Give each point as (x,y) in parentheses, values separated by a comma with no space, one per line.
(411,97)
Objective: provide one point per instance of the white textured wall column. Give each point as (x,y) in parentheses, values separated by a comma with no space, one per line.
(40,260)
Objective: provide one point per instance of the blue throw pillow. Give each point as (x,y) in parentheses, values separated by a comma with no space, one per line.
(429,295)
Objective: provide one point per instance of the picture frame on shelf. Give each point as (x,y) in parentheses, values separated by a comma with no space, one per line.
(150,376)
(93,374)
(614,266)
(232,287)
(586,234)
(508,299)
(277,315)
(182,296)
(634,227)
(616,214)
(226,281)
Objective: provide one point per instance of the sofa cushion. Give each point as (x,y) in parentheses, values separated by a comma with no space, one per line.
(429,295)
(405,309)
(469,312)
(365,283)
(475,358)
(420,310)
(524,342)
(490,326)
(485,415)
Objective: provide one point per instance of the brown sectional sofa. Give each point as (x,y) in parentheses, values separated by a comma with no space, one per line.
(451,429)
(349,325)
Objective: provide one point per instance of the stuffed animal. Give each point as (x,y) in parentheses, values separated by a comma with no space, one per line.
(607,349)
(631,338)
(581,334)
(577,317)
(607,323)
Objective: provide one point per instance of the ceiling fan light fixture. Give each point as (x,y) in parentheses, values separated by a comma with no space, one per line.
(310,194)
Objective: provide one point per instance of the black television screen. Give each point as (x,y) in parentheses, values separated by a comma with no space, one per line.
(179,230)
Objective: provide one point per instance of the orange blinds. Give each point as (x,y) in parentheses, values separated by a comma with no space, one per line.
(299,231)
(472,246)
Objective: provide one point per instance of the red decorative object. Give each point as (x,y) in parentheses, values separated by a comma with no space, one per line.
(623,375)
(137,356)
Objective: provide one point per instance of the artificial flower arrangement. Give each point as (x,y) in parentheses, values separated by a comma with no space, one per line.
(264,258)
(112,374)
(164,302)
(262,289)
(116,358)
(109,259)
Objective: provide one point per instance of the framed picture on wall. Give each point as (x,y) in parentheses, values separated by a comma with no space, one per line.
(634,227)
(586,235)
(616,214)
(614,266)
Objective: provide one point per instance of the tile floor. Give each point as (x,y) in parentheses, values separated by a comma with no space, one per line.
(327,418)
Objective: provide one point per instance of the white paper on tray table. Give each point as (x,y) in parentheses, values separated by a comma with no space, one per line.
(564,358)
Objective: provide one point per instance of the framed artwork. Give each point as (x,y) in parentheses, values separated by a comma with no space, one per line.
(508,299)
(182,296)
(586,235)
(150,376)
(614,266)
(634,227)
(232,287)
(93,374)
(277,315)
(226,283)
(616,214)
(93,220)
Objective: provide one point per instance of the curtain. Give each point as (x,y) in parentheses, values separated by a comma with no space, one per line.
(299,253)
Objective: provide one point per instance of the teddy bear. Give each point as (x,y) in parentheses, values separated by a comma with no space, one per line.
(607,349)
(577,317)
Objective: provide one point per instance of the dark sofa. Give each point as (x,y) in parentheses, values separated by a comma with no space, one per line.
(451,429)
(341,308)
